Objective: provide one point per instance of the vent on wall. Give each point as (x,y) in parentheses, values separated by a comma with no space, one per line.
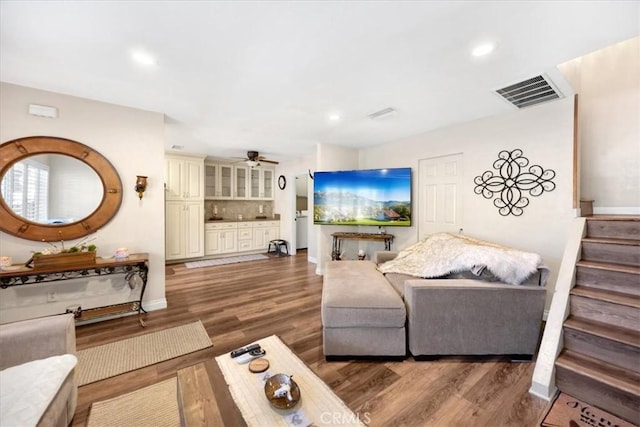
(535,90)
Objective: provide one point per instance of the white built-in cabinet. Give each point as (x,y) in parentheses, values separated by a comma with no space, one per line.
(229,237)
(221,238)
(245,236)
(264,232)
(184,207)
(184,229)
(261,184)
(241,175)
(224,181)
(184,178)
(218,178)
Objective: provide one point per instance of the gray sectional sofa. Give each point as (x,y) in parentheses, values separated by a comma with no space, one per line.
(366,313)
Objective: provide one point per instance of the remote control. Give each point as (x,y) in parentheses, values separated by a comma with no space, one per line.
(248,357)
(242,350)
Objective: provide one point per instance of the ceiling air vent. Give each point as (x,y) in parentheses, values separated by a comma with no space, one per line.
(386,112)
(535,90)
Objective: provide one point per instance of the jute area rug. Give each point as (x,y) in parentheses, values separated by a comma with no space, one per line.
(568,411)
(156,405)
(108,360)
(222,261)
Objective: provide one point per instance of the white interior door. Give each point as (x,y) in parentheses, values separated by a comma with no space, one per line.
(440,196)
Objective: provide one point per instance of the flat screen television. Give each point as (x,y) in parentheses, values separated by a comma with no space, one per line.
(375,197)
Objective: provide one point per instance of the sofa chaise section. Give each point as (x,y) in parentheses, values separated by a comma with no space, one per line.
(362,315)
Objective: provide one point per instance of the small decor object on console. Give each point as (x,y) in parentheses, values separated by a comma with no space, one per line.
(512,182)
(5,261)
(122,253)
(55,256)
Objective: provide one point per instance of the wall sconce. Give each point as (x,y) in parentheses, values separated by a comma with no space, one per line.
(141,185)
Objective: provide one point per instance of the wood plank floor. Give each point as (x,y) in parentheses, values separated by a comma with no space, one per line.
(240,303)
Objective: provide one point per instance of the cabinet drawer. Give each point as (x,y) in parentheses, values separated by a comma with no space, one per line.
(221,226)
(245,245)
(245,224)
(245,234)
(266,224)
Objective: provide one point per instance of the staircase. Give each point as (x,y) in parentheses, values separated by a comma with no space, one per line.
(600,361)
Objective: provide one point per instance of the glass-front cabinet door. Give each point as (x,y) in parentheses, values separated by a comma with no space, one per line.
(242,181)
(267,184)
(211,177)
(218,181)
(225,188)
(255,187)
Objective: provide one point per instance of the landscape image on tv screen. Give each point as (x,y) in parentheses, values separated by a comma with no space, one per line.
(376,197)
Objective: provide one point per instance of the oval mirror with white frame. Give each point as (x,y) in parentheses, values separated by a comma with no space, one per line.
(55,189)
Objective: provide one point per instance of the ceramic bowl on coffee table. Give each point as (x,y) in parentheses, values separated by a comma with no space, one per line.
(282,391)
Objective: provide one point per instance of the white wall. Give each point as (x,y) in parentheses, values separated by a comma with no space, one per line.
(608,87)
(285,202)
(133,141)
(543,132)
(332,158)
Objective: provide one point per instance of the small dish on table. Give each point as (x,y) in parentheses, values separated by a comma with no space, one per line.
(282,391)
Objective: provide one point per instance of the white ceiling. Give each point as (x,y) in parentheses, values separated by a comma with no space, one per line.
(233,76)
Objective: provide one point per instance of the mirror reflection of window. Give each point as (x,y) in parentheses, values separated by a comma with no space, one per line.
(25,189)
(52,189)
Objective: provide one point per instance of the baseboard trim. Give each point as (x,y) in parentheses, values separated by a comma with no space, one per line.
(157,304)
(624,210)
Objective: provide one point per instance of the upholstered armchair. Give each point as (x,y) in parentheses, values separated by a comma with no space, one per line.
(37,364)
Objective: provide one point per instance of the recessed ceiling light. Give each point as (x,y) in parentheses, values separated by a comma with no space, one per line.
(483,49)
(334,117)
(143,58)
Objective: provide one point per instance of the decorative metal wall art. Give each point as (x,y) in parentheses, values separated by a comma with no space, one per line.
(512,182)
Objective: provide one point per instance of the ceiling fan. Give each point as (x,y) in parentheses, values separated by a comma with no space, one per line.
(254,159)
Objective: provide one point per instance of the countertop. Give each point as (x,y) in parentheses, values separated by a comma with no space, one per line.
(218,221)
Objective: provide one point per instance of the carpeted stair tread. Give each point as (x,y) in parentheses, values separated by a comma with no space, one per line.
(600,371)
(611,332)
(607,296)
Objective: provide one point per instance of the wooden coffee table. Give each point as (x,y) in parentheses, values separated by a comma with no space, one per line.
(318,403)
(222,392)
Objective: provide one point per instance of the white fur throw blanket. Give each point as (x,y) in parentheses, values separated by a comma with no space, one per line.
(443,253)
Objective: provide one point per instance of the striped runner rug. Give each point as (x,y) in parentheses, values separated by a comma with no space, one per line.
(222,261)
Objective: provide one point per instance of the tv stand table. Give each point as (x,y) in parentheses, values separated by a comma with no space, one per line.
(135,268)
(339,237)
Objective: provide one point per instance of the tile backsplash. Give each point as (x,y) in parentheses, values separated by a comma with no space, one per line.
(230,209)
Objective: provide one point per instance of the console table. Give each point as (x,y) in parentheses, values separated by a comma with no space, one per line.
(135,268)
(339,237)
